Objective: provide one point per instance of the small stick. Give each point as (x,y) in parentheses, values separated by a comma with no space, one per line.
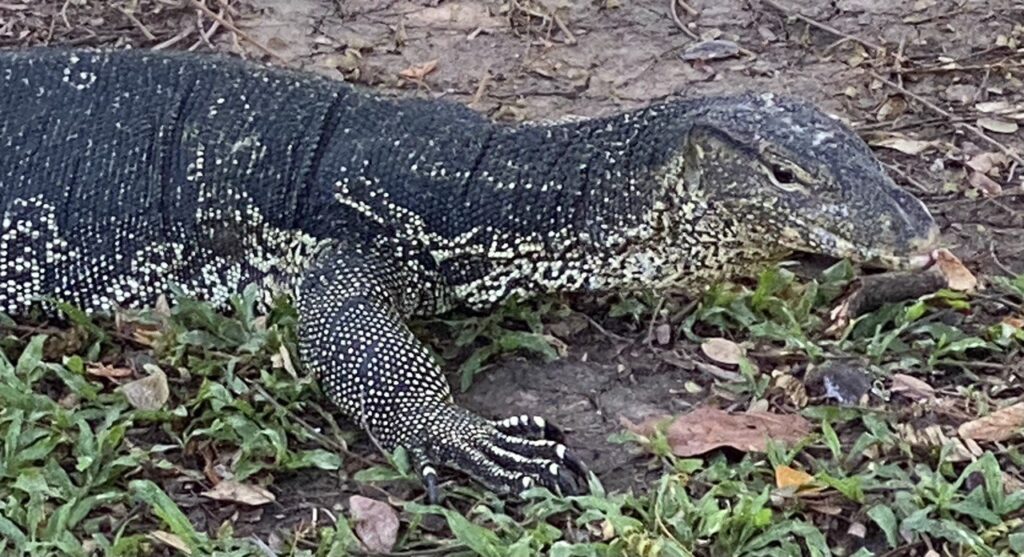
(569,37)
(238,32)
(945,113)
(823,26)
(688,8)
(204,34)
(679,23)
(131,17)
(182,35)
(481,89)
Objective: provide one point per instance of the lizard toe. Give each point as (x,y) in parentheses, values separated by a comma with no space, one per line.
(531,427)
(502,462)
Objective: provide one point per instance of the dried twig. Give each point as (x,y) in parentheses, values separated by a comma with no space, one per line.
(238,32)
(182,35)
(950,116)
(823,26)
(569,37)
(206,34)
(674,11)
(135,21)
(481,89)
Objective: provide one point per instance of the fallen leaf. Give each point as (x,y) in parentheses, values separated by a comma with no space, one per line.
(148,393)
(1015,322)
(108,371)
(891,109)
(376,523)
(344,62)
(824,508)
(722,350)
(283,360)
(998,126)
(277,43)
(904,144)
(984,184)
(234,492)
(957,276)
(985,162)
(992,106)
(707,428)
(997,426)
(170,540)
(420,71)
(715,49)
(791,477)
(911,387)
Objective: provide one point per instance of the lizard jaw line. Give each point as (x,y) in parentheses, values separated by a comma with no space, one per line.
(834,245)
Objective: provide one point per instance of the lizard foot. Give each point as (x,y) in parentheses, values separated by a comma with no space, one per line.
(531,427)
(501,455)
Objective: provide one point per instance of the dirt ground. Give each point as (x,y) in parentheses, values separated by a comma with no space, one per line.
(934,83)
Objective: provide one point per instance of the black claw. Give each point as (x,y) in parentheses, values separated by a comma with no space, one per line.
(577,466)
(430,481)
(567,482)
(508,456)
(428,474)
(553,433)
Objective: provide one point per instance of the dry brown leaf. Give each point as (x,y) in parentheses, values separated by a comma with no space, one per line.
(891,109)
(1015,322)
(722,350)
(715,49)
(993,106)
(419,71)
(998,126)
(786,477)
(277,43)
(283,360)
(997,426)
(983,183)
(376,523)
(911,387)
(234,492)
(108,371)
(706,429)
(170,540)
(904,144)
(985,162)
(957,276)
(148,393)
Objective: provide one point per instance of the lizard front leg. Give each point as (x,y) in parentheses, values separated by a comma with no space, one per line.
(353,337)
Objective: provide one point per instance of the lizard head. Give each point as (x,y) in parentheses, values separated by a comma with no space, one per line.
(782,170)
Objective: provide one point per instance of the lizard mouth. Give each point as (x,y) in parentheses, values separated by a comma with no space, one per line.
(917,253)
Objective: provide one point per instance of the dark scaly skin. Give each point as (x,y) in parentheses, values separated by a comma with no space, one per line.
(123,173)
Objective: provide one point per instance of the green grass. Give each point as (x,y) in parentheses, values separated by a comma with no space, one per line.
(83,472)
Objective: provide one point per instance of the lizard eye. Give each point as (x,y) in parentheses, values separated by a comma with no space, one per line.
(783,175)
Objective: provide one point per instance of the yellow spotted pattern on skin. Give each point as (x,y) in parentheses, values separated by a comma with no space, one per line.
(123,174)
